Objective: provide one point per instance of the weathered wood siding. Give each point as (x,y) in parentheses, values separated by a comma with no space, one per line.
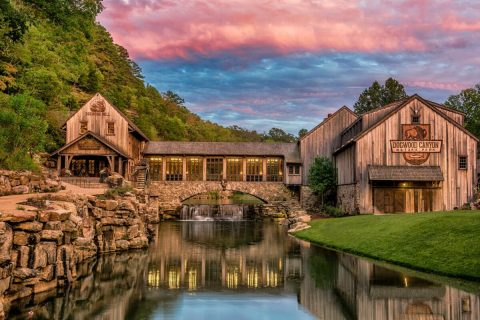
(97,122)
(374,148)
(324,139)
(345,164)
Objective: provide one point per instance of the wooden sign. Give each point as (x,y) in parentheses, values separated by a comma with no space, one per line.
(89,144)
(97,108)
(416,145)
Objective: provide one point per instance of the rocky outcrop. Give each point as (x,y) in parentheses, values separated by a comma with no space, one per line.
(40,249)
(21,182)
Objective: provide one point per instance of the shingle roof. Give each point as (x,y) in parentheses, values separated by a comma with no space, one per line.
(405,173)
(288,150)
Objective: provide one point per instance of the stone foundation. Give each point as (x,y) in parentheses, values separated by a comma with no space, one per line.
(41,248)
(21,182)
(309,200)
(347,198)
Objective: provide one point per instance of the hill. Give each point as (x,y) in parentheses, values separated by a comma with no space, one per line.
(54,56)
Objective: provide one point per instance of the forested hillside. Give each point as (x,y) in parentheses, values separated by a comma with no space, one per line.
(54,57)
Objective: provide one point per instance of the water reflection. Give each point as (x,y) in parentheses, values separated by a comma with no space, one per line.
(244,270)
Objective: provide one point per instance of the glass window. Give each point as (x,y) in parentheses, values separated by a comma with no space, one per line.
(110,128)
(234,169)
(274,169)
(415,119)
(293,169)
(214,169)
(173,169)
(462,162)
(194,169)
(254,169)
(155,168)
(83,127)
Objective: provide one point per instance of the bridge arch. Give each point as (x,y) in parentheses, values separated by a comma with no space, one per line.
(225,193)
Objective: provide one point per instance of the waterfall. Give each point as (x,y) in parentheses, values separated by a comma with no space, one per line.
(208,212)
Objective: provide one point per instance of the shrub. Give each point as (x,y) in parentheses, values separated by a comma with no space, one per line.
(323,180)
(115,192)
(334,211)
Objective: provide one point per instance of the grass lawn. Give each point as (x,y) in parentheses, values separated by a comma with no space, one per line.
(446,243)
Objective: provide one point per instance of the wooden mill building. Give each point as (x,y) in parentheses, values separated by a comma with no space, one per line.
(413,155)
(99,135)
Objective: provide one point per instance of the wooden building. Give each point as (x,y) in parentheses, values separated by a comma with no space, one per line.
(230,161)
(99,135)
(413,155)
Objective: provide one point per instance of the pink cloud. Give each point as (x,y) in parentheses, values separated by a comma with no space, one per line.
(171,29)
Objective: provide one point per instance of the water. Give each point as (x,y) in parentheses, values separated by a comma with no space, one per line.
(245,270)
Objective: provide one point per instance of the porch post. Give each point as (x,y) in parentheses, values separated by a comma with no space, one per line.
(110,163)
(264,169)
(204,171)
(184,168)
(224,173)
(59,164)
(120,165)
(164,168)
(244,169)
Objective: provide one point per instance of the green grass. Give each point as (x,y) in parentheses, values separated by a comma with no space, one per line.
(445,243)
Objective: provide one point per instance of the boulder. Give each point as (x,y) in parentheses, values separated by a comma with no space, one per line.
(6,239)
(43,286)
(133,232)
(51,235)
(21,189)
(111,205)
(17,216)
(20,238)
(122,244)
(54,215)
(23,254)
(139,242)
(24,273)
(298,226)
(30,226)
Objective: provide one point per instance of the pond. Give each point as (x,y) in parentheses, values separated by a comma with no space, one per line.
(244,270)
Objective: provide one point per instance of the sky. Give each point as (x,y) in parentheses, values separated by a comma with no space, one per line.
(288,63)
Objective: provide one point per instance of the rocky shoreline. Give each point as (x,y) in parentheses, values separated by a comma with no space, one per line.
(42,245)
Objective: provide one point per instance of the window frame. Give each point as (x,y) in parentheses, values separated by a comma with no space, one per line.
(194,170)
(83,127)
(234,169)
(460,165)
(155,168)
(108,132)
(294,169)
(254,169)
(173,169)
(214,163)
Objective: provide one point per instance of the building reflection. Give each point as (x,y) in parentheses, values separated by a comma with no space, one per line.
(339,286)
(207,256)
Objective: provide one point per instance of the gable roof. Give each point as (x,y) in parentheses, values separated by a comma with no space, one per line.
(288,150)
(130,122)
(344,108)
(403,103)
(99,138)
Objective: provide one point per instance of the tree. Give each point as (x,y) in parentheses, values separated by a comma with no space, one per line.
(302,132)
(22,131)
(322,179)
(468,101)
(378,95)
(278,135)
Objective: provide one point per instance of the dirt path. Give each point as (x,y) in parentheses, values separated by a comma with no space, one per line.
(10,203)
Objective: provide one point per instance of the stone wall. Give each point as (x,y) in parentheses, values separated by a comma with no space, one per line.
(347,198)
(20,182)
(40,247)
(309,200)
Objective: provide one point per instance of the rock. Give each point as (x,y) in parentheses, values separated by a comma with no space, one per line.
(47,273)
(54,215)
(21,238)
(4,284)
(51,235)
(100,203)
(39,258)
(126,205)
(50,250)
(111,205)
(23,255)
(119,233)
(140,242)
(24,180)
(75,219)
(6,239)
(53,225)
(112,221)
(18,216)
(24,273)
(21,189)
(69,226)
(31,226)
(298,226)
(122,244)
(43,286)
(133,232)
(304,218)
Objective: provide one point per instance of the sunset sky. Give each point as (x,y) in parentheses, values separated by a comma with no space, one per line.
(288,63)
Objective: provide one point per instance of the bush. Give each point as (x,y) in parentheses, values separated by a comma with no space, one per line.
(323,180)
(334,211)
(115,192)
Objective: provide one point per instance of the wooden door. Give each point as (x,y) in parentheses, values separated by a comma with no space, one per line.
(399,204)
(389,201)
(428,200)
(415,200)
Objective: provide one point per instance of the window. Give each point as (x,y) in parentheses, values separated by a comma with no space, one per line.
(415,119)
(83,127)
(274,169)
(110,128)
(254,169)
(234,169)
(194,169)
(155,168)
(293,169)
(214,169)
(462,163)
(173,169)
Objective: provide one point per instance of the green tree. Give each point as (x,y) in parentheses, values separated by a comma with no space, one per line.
(322,179)
(301,133)
(378,95)
(468,101)
(278,135)
(22,131)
